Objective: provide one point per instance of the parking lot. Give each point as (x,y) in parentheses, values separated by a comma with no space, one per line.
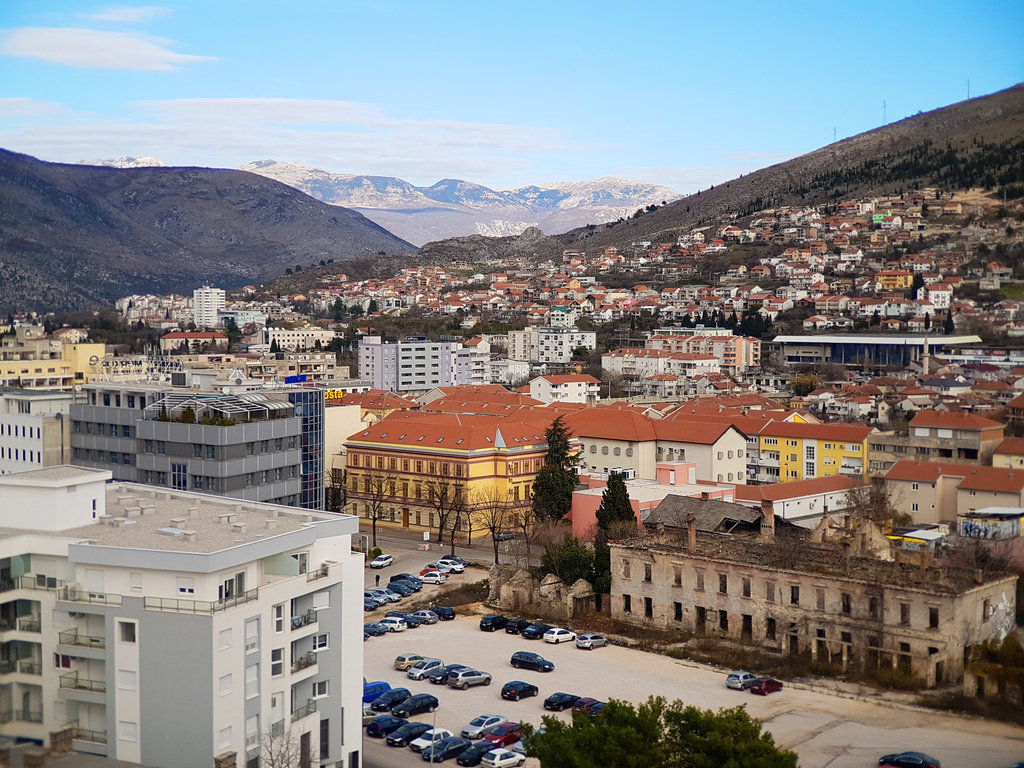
(824,729)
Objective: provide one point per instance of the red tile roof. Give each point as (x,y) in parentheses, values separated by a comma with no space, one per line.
(994,480)
(1011,445)
(794,489)
(953,420)
(432,431)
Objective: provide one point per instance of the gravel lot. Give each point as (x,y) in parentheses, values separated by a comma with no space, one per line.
(824,730)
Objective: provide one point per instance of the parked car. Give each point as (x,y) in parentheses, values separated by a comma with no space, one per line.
(423,668)
(394,623)
(368,714)
(403,588)
(740,680)
(908,760)
(378,599)
(442,750)
(372,690)
(558,635)
(382,725)
(433,577)
(492,623)
(596,708)
(585,704)
(440,675)
(515,690)
(382,561)
(474,754)
(406,660)
(534,631)
(374,629)
(388,699)
(504,734)
(416,704)
(444,613)
(414,580)
(515,626)
(590,641)
(502,758)
(369,604)
(481,725)
(426,617)
(464,678)
(765,685)
(504,536)
(380,595)
(534,661)
(454,562)
(405,734)
(556,702)
(410,619)
(427,738)
(443,568)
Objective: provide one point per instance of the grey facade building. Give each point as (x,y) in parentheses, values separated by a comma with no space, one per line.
(248,446)
(416,364)
(34,429)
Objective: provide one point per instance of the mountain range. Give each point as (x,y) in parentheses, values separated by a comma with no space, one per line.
(452,207)
(79,236)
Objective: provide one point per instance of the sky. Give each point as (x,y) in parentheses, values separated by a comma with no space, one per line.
(504,94)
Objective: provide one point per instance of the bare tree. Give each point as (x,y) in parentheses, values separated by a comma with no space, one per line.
(447,497)
(524,520)
(279,750)
(376,489)
(876,502)
(493,512)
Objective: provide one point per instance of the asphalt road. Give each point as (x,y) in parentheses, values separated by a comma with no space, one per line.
(826,730)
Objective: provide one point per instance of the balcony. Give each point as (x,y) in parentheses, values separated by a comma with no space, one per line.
(37,581)
(30,668)
(198,606)
(308,709)
(305,661)
(320,573)
(73,637)
(309,617)
(20,716)
(27,624)
(72,682)
(71,593)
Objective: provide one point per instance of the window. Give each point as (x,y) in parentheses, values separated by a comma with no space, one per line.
(702,618)
(846,638)
(127,731)
(252,732)
(325,739)
(135,581)
(252,681)
(648,607)
(873,607)
(769,591)
(794,595)
(224,638)
(746,586)
(224,685)
(127,679)
(769,629)
(905,614)
(647,572)
(625,569)
(677,575)
(723,621)
(723,584)
(197,450)
(126,631)
(278,614)
(276,662)
(846,603)
(933,618)
(224,737)
(678,611)
(320,689)
(627,604)
(700,582)
(321,600)
(986,609)
(819,597)
(319,642)
(186,586)
(252,635)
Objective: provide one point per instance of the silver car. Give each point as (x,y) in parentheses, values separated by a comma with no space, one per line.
(481,725)
(426,617)
(590,641)
(422,668)
(463,678)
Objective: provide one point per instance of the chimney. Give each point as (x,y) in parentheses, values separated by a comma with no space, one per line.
(767,519)
(704,495)
(691,533)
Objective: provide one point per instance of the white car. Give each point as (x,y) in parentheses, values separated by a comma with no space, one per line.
(380,561)
(428,738)
(433,577)
(502,758)
(556,635)
(394,623)
(453,565)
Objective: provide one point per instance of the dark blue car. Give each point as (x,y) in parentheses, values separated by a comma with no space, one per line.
(382,725)
(444,613)
(441,750)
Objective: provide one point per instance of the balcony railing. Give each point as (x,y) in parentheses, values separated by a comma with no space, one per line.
(304,661)
(85,734)
(21,716)
(29,625)
(72,681)
(309,617)
(30,668)
(74,594)
(31,581)
(72,637)
(322,572)
(307,709)
(199,606)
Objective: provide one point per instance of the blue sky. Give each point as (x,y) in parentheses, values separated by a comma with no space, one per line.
(500,93)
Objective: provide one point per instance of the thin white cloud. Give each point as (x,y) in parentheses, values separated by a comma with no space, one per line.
(94,48)
(21,107)
(128,14)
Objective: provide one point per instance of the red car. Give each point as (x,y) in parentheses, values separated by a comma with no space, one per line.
(505,734)
(765,685)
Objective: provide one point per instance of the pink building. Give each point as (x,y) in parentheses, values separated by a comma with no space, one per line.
(678,478)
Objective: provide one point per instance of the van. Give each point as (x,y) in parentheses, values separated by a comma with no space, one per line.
(422,668)
(394,623)
(406,660)
(372,690)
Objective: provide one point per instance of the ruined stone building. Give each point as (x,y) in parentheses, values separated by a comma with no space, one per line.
(844,598)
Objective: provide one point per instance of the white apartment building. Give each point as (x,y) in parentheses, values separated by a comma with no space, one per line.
(417,364)
(580,388)
(547,344)
(176,629)
(298,339)
(34,429)
(206,303)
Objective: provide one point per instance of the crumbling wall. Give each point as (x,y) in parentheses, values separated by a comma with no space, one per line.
(518,591)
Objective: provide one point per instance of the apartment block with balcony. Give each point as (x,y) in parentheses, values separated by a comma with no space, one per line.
(31,359)
(790,451)
(549,344)
(117,598)
(418,365)
(937,436)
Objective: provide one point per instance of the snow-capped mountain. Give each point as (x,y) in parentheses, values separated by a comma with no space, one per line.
(453,207)
(127,162)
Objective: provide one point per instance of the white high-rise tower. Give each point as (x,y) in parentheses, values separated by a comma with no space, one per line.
(206,301)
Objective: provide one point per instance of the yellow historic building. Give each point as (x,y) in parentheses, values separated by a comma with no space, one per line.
(414,466)
(30,359)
